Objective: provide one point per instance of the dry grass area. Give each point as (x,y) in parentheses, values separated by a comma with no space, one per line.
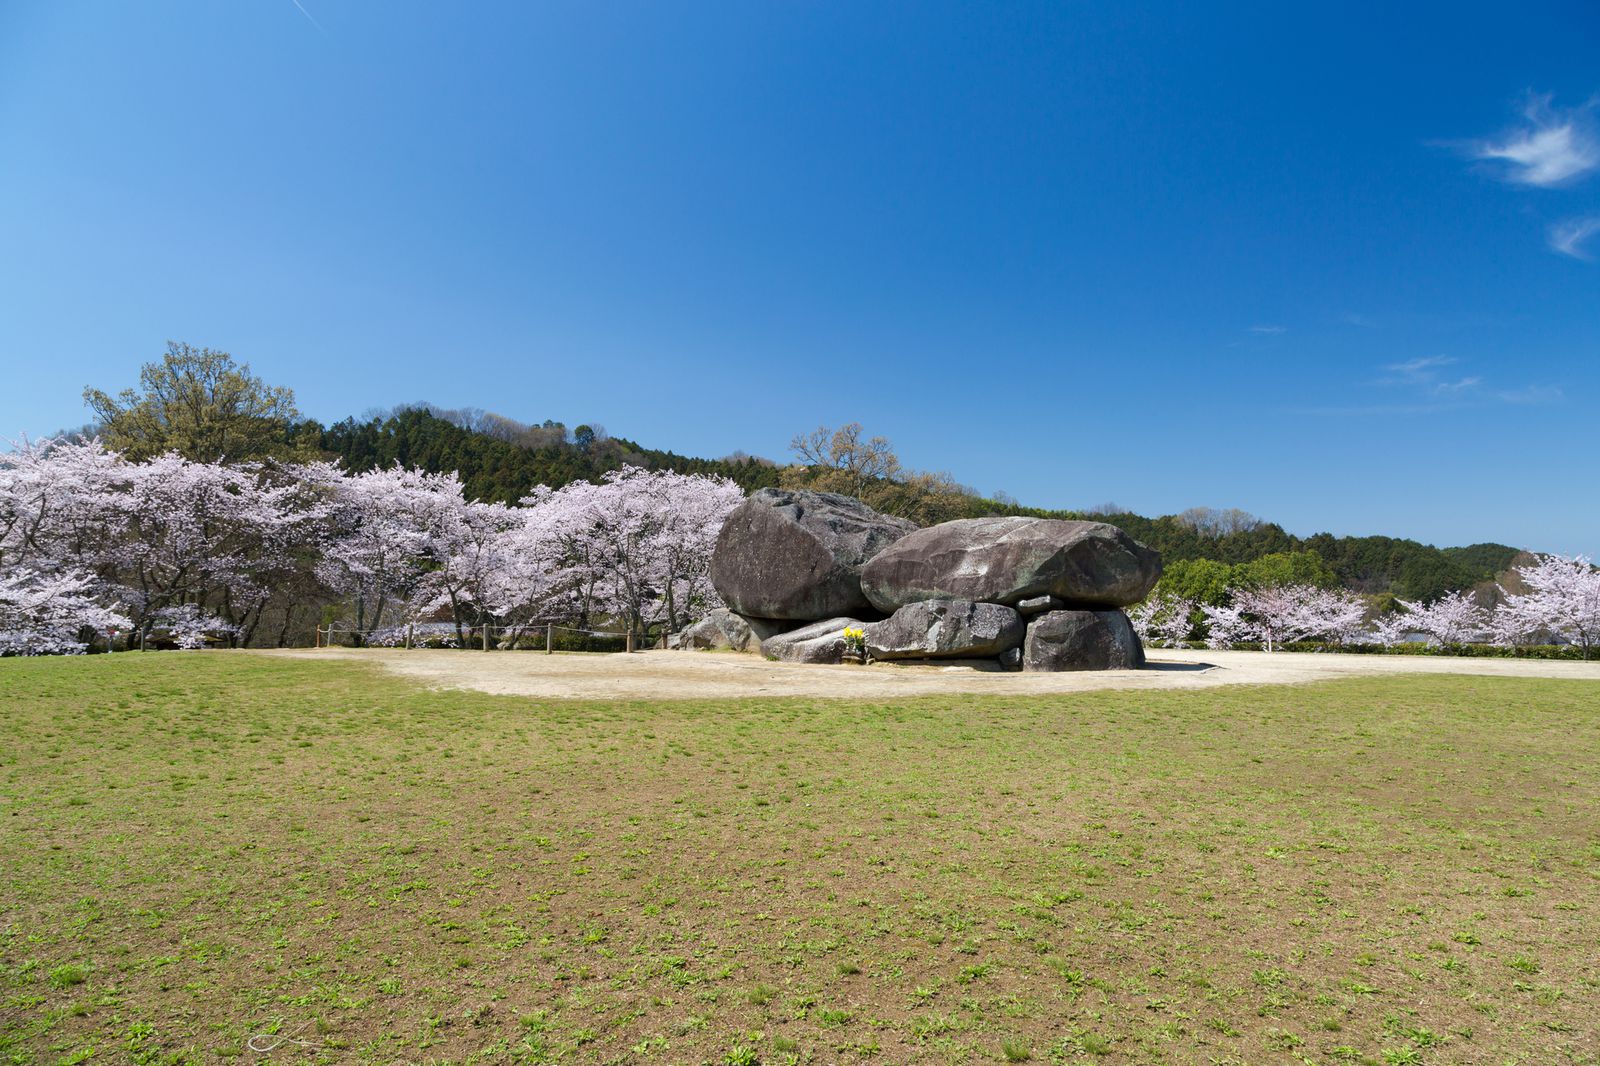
(195,848)
(679,675)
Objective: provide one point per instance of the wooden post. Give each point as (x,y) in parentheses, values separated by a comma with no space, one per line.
(549,637)
(486,636)
(630,639)
(408,636)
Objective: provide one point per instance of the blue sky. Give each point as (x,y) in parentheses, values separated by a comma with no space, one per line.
(1336,267)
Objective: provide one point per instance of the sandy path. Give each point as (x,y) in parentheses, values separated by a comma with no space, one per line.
(694,675)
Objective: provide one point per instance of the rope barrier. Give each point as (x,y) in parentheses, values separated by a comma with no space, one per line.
(329,631)
(530,628)
(594,632)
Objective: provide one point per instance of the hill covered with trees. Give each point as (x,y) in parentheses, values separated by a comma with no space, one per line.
(206,407)
(501,460)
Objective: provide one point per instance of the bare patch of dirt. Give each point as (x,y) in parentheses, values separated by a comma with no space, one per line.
(709,675)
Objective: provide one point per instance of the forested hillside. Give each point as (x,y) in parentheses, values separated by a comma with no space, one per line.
(504,470)
(203,405)
(502,460)
(1375,564)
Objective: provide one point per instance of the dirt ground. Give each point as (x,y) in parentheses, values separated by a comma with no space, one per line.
(704,674)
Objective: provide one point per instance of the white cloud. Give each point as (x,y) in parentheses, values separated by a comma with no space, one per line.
(1269,329)
(1553,147)
(1452,388)
(1568,236)
(1422,371)
(1532,394)
(1423,380)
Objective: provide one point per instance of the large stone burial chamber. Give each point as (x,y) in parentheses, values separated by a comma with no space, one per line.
(798,568)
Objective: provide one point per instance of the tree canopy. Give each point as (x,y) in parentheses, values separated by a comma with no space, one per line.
(200,404)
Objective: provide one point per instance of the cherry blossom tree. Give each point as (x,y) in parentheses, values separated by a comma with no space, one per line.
(636,545)
(200,550)
(387,529)
(1282,614)
(1451,619)
(478,565)
(190,627)
(1563,600)
(1391,629)
(44,613)
(1143,618)
(1164,620)
(531,582)
(1226,625)
(53,532)
(205,536)
(53,496)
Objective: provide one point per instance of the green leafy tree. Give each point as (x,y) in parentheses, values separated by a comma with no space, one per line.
(202,405)
(1202,581)
(1278,569)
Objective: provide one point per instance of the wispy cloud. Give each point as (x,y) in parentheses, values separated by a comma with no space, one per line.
(1422,371)
(1532,394)
(1552,146)
(1424,386)
(1269,329)
(1374,409)
(1456,388)
(1569,235)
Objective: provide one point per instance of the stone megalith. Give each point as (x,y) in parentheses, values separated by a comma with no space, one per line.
(819,642)
(1082,640)
(935,629)
(1009,560)
(786,554)
(720,629)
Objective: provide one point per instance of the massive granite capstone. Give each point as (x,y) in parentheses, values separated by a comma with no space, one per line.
(1009,560)
(797,555)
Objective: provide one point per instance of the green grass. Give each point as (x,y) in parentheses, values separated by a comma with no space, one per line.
(198,848)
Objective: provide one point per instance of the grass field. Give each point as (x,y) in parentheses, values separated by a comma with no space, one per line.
(195,848)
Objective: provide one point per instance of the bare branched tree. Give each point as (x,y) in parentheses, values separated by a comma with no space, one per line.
(860,461)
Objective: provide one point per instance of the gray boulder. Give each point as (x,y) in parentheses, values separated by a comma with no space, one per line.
(819,642)
(935,629)
(719,629)
(786,554)
(1008,560)
(1011,660)
(1039,605)
(1082,640)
